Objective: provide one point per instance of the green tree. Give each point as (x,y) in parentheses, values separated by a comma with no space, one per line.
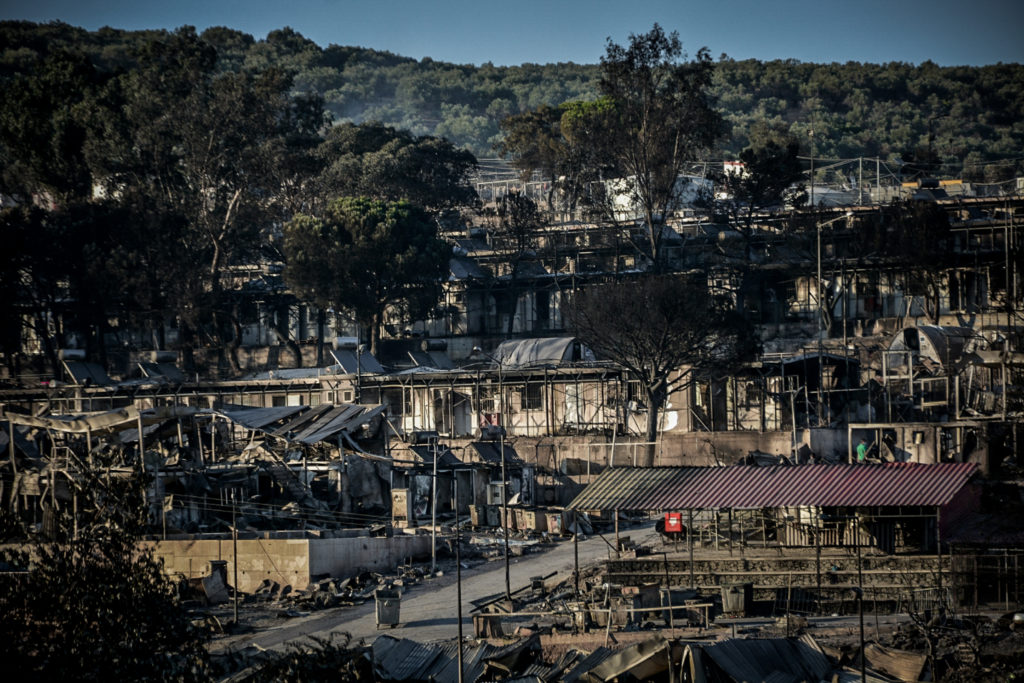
(664,120)
(515,236)
(665,330)
(534,142)
(88,604)
(569,146)
(226,153)
(378,161)
(369,257)
(588,131)
(771,167)
(44,122)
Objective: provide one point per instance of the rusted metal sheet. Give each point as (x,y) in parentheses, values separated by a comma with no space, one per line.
(260,418)
(771,659)
(746,487)
(321,423)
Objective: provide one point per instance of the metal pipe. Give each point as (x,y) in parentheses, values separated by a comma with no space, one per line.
(576,552)
(433,516)
(504,478)
(860,601)
(689,538)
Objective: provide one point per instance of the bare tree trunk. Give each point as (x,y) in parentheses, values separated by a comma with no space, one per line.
(234,344)
(512,297)
(375,331)
(655,402)
(280,328)
(49,350)
(186,338)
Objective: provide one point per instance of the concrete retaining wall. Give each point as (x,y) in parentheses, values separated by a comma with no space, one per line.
(343,556)
(291,562)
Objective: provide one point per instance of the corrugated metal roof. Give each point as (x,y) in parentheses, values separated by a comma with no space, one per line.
(321,423)
(83,373)
(259,418)
(775,659)
(402,660)
(353,363)
(163,371)
(746,487)
(585,664)
(488,451)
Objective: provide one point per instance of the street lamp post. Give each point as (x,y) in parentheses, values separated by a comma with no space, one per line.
(821,312)
(458,570)
(501,446)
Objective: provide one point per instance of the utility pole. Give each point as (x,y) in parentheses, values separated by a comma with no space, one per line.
(360,348)
(860,597)
(501,446)
(234,544)
(821,315)
(576,552)
(458,570)
(504,477)
(433,515)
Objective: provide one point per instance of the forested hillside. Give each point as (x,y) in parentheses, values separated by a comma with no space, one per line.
(954,120)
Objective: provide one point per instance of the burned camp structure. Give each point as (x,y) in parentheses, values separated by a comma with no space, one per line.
(204,464)
(426,470)
(814,529)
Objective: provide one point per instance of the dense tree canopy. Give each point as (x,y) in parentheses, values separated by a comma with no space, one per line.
(378,161)
(969,117)
(771,168)
(157,179)
(368,257)
(87,604)
(170,159)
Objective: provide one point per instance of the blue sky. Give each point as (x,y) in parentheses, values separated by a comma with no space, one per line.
(476,31)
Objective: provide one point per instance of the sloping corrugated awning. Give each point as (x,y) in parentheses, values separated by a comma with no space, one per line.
(489,452)
(771,659)
(302,424)
(86,374)
(168,372)
(746,487)
(353,362)
(109,420)
(259,418)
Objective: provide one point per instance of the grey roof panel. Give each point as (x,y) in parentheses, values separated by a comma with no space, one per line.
(164,371)
(351,364)
(83,373)
(779,659)
(259,418)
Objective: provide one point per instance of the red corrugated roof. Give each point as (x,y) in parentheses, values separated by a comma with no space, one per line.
(749,487)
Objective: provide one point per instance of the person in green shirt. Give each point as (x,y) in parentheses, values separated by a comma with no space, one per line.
(862,450)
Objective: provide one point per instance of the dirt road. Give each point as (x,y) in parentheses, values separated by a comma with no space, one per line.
(429,610)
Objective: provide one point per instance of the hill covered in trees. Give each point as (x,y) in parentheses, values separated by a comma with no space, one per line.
(954,120)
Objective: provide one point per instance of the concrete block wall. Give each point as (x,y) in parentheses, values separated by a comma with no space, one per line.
(291,562)
(345,556)
(285,561)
